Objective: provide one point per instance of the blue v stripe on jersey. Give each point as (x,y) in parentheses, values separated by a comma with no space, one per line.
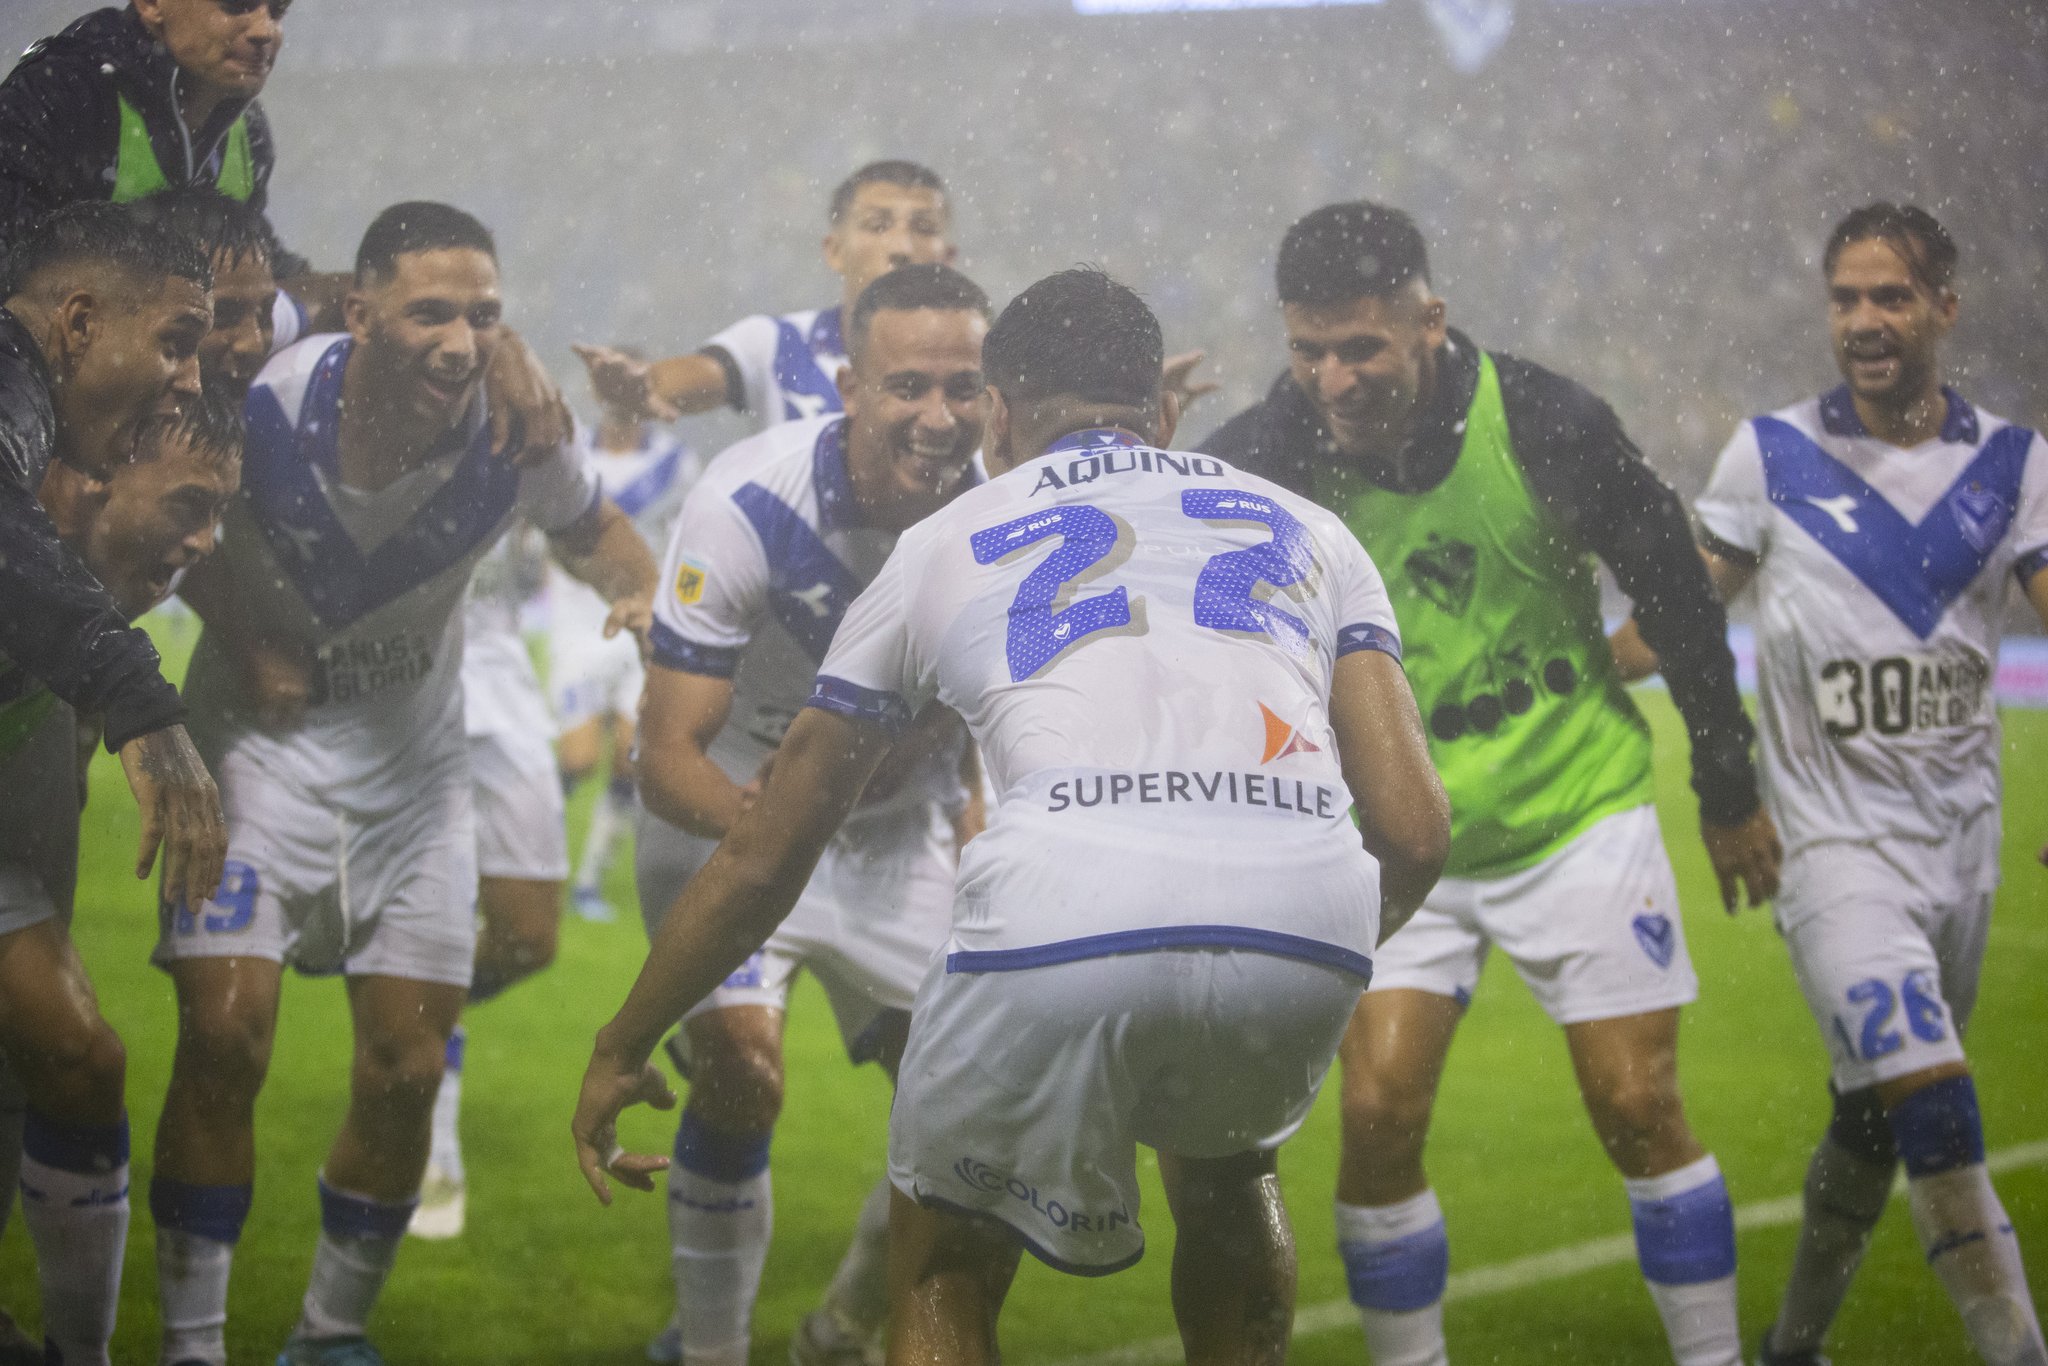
(809,589)
(634,496)
(1915,570)
(338,582)
(807,391)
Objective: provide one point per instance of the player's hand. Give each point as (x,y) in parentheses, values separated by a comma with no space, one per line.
(610,1084)
(278,680)
(1175,376)
(529,417)
(1747,855)
(624,383)
(180,813)
(635,613)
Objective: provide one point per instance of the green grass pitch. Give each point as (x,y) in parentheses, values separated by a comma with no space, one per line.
(545,1275)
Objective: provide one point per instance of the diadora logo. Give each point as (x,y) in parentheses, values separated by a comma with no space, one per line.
(982,1177)
(1840,507)
(818,597)
(1283,739)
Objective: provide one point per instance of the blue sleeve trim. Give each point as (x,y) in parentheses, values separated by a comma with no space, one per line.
(1166,937)
(2031,564)
(855,703)
(1364,635)
(671,651)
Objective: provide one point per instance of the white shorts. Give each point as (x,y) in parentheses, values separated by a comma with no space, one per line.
(1594,929)
(1889,969)
(1023,1095)
(383,894)
(875,913)
(521,831)
(39,824)
(592,677)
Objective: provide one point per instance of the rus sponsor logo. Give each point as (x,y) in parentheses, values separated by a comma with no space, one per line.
(983,1177)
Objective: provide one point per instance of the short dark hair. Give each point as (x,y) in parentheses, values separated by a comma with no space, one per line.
(96,231)
(1079,334)
(1342,253)
(909,287)
(1918,237)
(906,175)
(223,227)
(418,225)
(210,424)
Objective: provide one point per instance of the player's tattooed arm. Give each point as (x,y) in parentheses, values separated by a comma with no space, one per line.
(529,416)
(606,551)
(725,913)
(180,813)
(658,390)
(1403,815)
(680,715)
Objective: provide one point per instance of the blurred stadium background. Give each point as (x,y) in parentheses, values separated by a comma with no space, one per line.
(1633,192)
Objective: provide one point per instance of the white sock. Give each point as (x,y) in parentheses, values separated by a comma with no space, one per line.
(1685,1242)
(196,1231)
(446,1149)
(1970,1244)
(858,1299)
(612,814)
(1845,1197)
(74,1199)
(1397,1259)
(720,1212)
(358,1243)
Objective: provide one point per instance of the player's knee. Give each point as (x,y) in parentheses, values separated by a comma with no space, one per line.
(400,1068)
(1859,1127)
(79,1071)
(225,1052)
(1384,1116)
(1637,1112)
(736,1085)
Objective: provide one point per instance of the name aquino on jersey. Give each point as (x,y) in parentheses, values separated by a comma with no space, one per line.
(1098,464)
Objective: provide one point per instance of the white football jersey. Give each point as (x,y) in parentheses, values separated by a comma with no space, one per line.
(788,366)
(649,485)
(1883,576)
(768,554)
(1141,642)
(373,582)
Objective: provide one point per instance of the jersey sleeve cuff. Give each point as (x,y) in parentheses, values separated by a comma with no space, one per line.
(125,722)
(1364,635)
(1727,549)
(866,705)
(672,651)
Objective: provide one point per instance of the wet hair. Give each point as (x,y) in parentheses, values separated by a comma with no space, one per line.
(906,175)
(210,426)
(102,233)
(418,225)
(1076,334)
(1342,253)
(1918,237)
(912,287)
(223,228)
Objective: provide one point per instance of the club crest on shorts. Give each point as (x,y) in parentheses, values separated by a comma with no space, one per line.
(1657,936)
(689,582)
(1283,739)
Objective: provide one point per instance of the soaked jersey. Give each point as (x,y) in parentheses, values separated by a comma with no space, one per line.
(649,485)
(373,582)
(788,367)
(1141,642)
(768,554)
(1883,576)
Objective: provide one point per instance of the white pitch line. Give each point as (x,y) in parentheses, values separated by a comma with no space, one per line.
(1523,1272)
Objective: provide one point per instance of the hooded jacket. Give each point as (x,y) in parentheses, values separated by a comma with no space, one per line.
(85,113)
(59,629)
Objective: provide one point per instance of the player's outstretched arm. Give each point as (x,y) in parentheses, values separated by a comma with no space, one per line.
(656,391)
(725,913)
(1403,815)
(529,416)
(681,713)
(605,550)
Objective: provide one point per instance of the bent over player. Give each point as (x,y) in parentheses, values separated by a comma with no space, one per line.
(771,548)
(326,687)
(1175,671)
(1485,486)
(1884,526)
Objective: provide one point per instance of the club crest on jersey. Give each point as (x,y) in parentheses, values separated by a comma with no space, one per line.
(1658,938)
(1283,739)
(689,582)
(1445,572)
(1981,514)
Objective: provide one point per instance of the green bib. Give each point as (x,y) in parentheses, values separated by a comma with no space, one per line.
(137,172)
(1499,609)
